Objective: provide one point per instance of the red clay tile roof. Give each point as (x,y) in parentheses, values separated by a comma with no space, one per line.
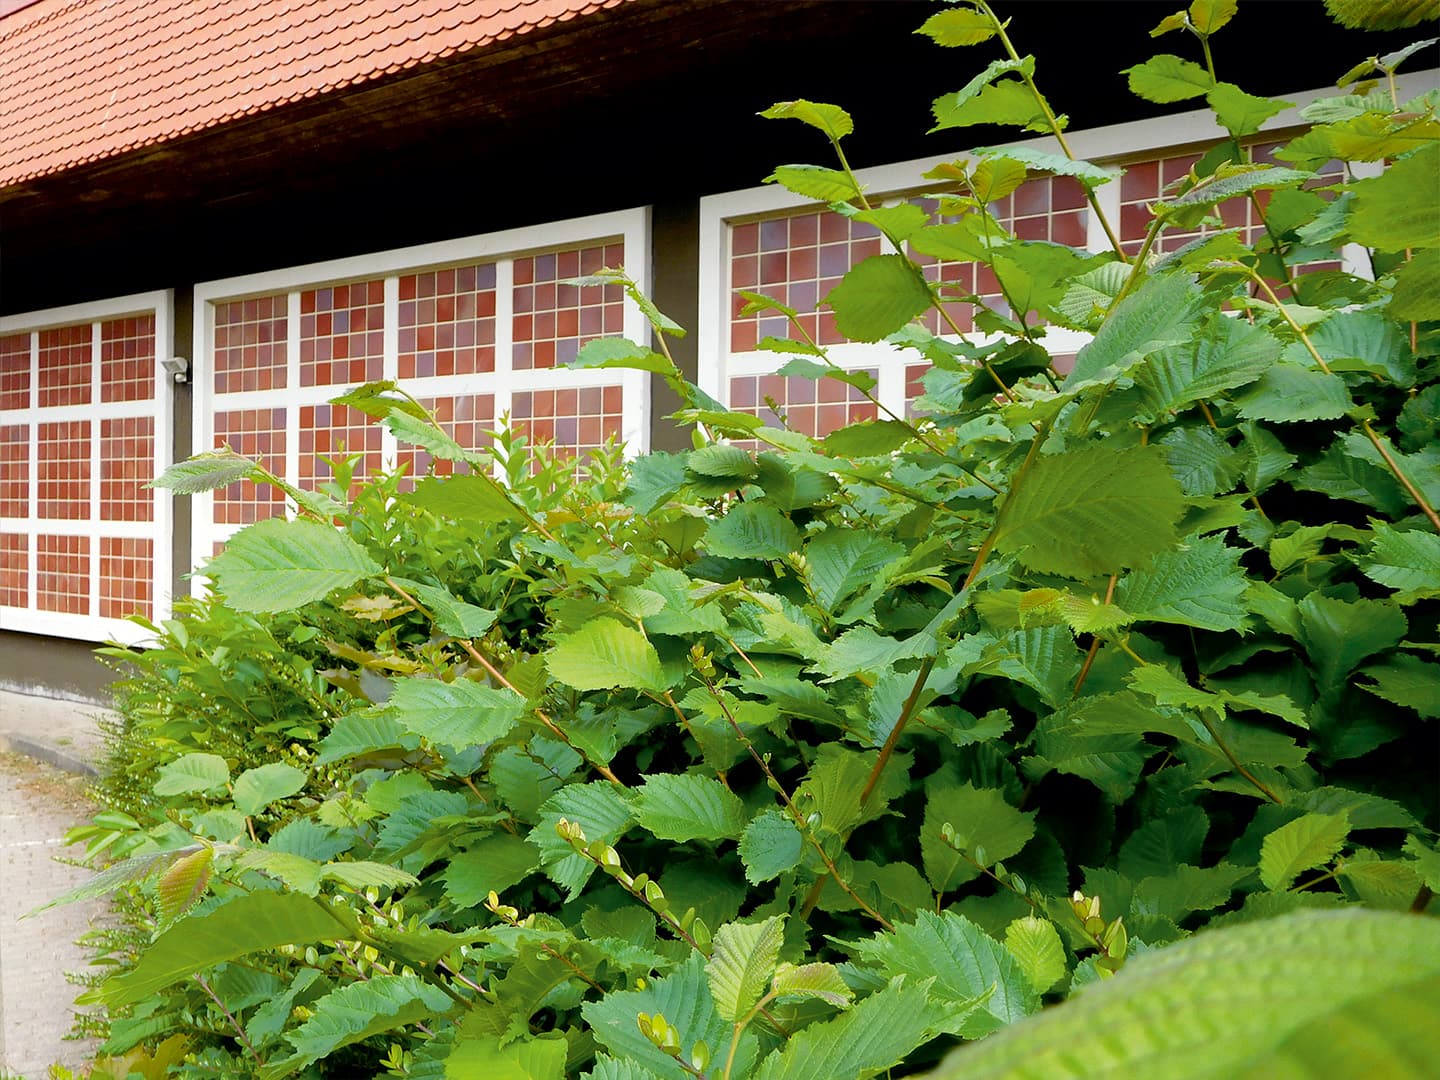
(82,80)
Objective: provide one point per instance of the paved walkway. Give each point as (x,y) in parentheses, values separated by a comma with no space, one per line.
(38,803)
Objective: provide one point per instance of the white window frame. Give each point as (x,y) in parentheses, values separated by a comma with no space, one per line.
(161,408)
(1110,146)
(630,227)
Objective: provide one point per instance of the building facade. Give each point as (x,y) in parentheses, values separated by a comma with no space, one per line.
(214,218)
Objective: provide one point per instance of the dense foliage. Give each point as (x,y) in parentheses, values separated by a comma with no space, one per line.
(804,758)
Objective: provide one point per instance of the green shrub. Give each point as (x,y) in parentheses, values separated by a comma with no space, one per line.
(817,759)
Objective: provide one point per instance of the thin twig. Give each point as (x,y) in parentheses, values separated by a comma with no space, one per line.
(240,1031)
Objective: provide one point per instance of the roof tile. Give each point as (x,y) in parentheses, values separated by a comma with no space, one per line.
(82,80)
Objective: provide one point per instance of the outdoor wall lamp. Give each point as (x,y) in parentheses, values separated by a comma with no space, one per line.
(178,367)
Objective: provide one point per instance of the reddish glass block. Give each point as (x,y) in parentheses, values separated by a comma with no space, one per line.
(553,320)
(14,570)
(447,322)
(127,359)
(257,434)
(341,334)
(15,471)
(127,571)
(576,420)
(127,464)
(249,350)
(63,470)
(15,371)
(469,419)
(62,578)
(812,407)
(335,431)
(65,365)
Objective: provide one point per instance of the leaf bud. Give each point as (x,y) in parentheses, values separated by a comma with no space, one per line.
(700,1056)
(639,881)
(980,854)
(947,833)
(701,933)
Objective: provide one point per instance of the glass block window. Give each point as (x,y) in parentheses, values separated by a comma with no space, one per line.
(342,334)
(64,470)
(65,364)
(552,320)
(259,434)
(125,576)
(333,431)
(63,580)
(15,371)
(575,420)
(127,359)
(14,570)
(468,419)
(14,470)
(127,455)
(447,322)
(812,407)
(250,346)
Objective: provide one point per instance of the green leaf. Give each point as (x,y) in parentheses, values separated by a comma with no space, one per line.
(467,497)
(205,472)
(688,807)
(541,1058)
(1201,459)
(1387,216)
(654,479)
(1184,890)
(300,874)
(898,222)
(866,1040)
(1380,883)
(821,981)
(362,733)
(1426,861)
(1207,16)
(996,177)
(1339,634)
(1008,101)
(378,400)
(1314,994)
(1162,843)
(363,874)
(752,530)
(279,565)
(459,714)
(618,352)
(1037,948)
(1408,562)
(770,846)
(869,438)
(1165,78)
(257,788)
(355,1012)
(1088,173)
(604,654)
(741,964)
(844,560)
(981,820)
(601,811)
(815,182)
(1241,113)
(1365,341)
(1382,14)
(878,297)
(1162,312)
(192,772)
(834,121)
(420,431)
(1417,288)
(1198,585)
(185,883)
(1299,845)
(246,924)
(949,103)
(495,863)
(1406,680)
(722,461)
(1232,181)
(959,26)
(1288,393)
(1092,511)
(452,615)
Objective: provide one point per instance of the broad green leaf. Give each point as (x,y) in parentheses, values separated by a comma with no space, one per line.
(601,811)
(742,963)
(604,654)
(983,824)
(1037,948)
(815,182)
(878,297)
(1288,393)
(964,961)
(1233,181)
(752,530)
(1387,216)
(1408,562)
(1338,634)
(723,461)
(279,565)
(420,431)
(897,222)
(365,874)
(467,497)
(1201,459)
(134,868)
(1382,14)
(821,981)
(1426,860)
(1311,995)
(1240,113)
(959,26)
(654,479)
(1044,658)
(949,103)
(1088,173)
(770,846)
(363,733)
(1165,78)
(1091,511)
(1183,890)
(300,874)
(869,438)
(459,714)
(1007,101)
(495,863)
(618,352)
(1163,843)
(834,121)
(1365,341)
(1088,296)
(1380,883)
(1300,845)
(257,788)
(836,780)
(358,1011)
(452,615)
(1199,585)
(246,924)
(1163,311)
(996,177)
(843,560)
(541,1058)
(1417,288)
(863,1041)
(1208,16)
(688,807)
(205,472)
(378,400)
(185,883)
(192,772)
(1158,682)
(1406,680)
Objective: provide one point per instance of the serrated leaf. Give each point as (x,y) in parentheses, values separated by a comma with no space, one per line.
(1201,459)
(1007,101)
(722,460)
(1240,113)
(364,874)
(467,497)
(1092,511)
(1163,311)
(619,352)
(363,733)
(1208,16)
(205,472)
(1184,890)
(981,820)
(454,616)
(822,981)
(1288,393)
(300,874)
(1385,215)
(1088,173)
(770,846)
(1408,562)
(897,222)
(192,772)
(1381,883)
(869,438)
(815,182)
(257,788)
(843,560)
(959,26)
(1234,181)
(541,1058)
(1037,948)
(1161,844)
(185,882)
(495,863)
(742,963)
(1417,288)
(996,177)
(688,807)
(949,103)
(1312,995)
(1427,861)
(1338,634)
(459,714)
(834,121)
(601,811)
(1406,680)
(1199,585)
(752,530)
(377,399)
(1165,78)
(279,565)
(1299,845)
(245,924)
(878,297)
(604,654)
(1382,14)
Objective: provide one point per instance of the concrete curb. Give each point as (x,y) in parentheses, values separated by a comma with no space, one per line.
(60,757)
